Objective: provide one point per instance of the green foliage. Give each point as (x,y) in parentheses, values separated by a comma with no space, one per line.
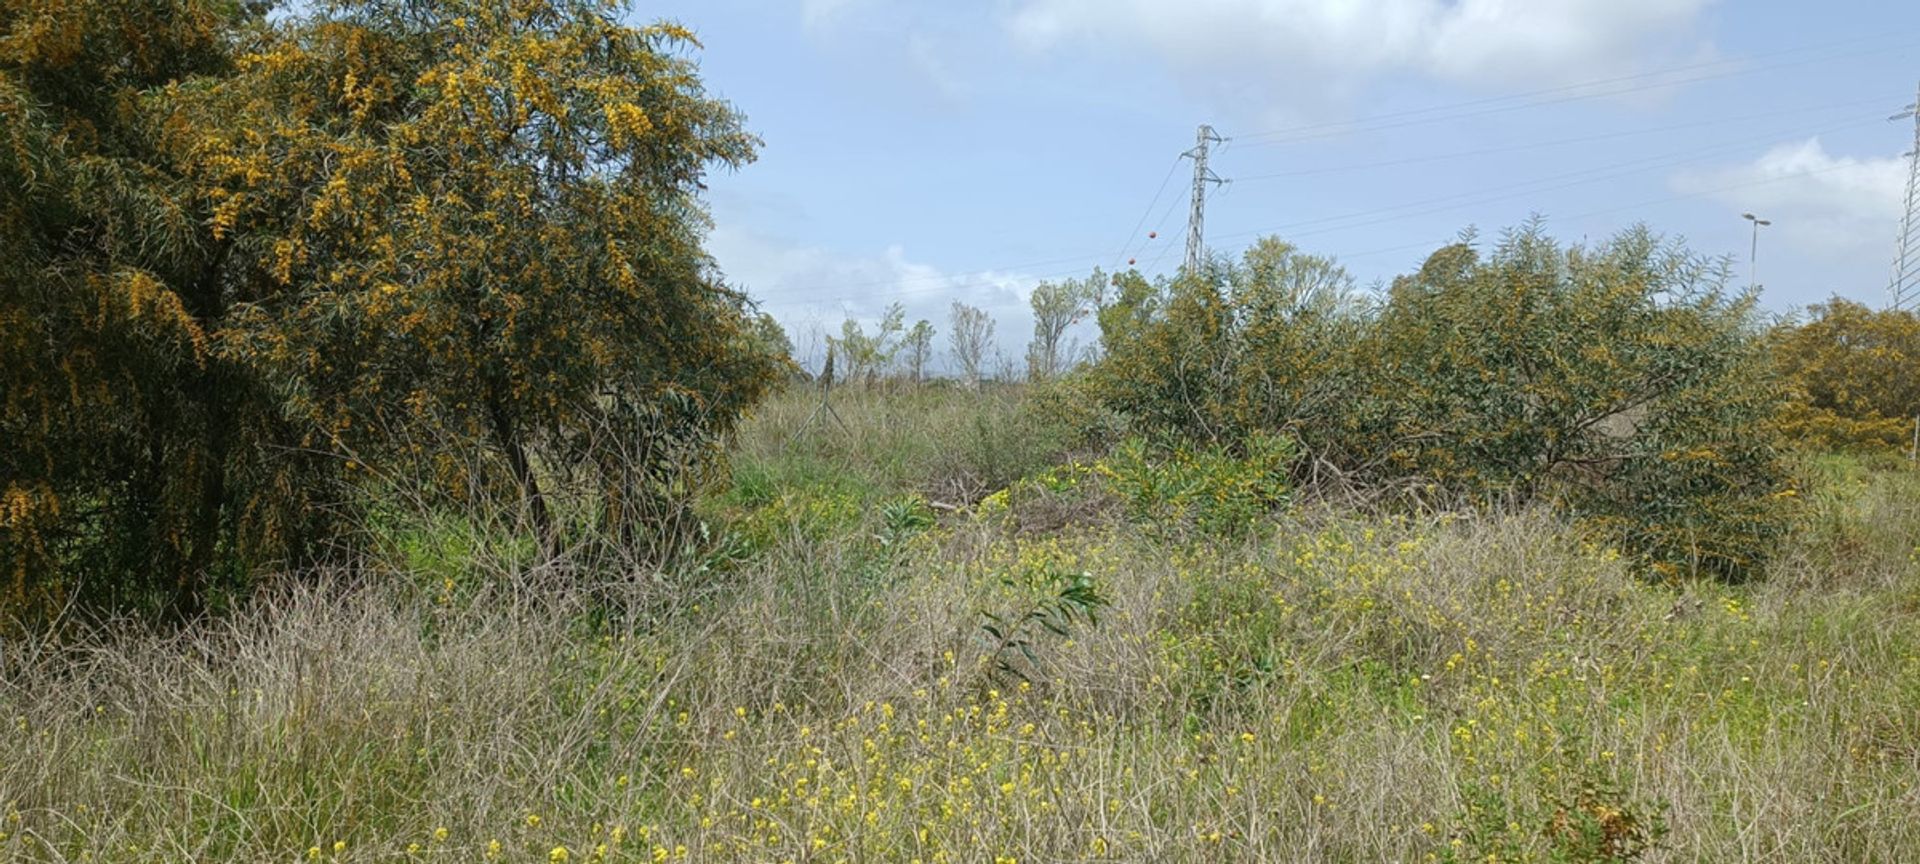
(1855,374)
(1261,344)
(865,356)
(128,468)
(783,509)
(903,518)
(1056,600)
(1057,306)
(770,339)
(1594,822)
(1171,490)
(373,233)
(1621,382)
(1213,490)
(985,453)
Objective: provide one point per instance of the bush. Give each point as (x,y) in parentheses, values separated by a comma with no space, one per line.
(1855,376)
(250,279)
(1168,489)
(1622,383)
(1210,489)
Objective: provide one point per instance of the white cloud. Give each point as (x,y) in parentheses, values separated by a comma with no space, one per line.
(1294,50)
(811,290)
(1839,206)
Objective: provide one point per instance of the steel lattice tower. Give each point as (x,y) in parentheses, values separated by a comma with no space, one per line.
(1202,175)
(1903,289)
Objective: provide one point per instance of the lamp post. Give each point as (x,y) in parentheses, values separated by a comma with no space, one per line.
(1753,252)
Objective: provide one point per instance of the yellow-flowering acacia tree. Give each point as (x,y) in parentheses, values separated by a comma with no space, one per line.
(478,218)
(1855,373)
(423,227)
(118,415)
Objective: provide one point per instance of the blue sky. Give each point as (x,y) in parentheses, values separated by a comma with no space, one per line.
(929,151)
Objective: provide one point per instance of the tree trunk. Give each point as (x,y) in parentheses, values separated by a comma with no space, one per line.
(213,401)
(506,434)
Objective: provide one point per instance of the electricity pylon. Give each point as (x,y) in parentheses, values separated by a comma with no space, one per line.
(1904,286)
(1202,175)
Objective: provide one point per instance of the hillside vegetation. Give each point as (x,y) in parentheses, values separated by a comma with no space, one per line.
(389,474)
(1320,685)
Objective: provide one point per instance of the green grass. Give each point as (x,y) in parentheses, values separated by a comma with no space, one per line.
(1325,685)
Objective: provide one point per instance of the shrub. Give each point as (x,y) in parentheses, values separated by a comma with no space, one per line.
(1214,357)
(1211,489)
(1049,599)
(1621,382)
(1855,376)
(293,246)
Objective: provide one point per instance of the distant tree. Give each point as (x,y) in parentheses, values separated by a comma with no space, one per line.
(919,346)
(769,338)
(865,356)
(1057,306)
(971,336)
(1855,374)
(764,337)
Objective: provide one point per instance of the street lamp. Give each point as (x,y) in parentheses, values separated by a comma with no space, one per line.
(1753,253)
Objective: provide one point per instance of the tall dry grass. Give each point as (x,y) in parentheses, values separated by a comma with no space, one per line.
(1333,687)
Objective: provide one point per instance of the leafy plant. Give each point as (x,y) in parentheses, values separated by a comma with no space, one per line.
(1214,489)
(1060,599)
(1595,824)
(1588,819)
(903,518)
(1624,383)
(1855,374)
(369,233)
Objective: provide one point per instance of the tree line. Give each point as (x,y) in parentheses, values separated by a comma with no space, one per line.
(253,263)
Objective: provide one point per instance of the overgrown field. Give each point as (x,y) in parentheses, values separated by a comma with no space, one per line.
(939,634)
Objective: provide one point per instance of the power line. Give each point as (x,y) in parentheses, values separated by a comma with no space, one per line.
(1528,187)
(1164,181)
(1095,258)
(1159,225)
(1472,198)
